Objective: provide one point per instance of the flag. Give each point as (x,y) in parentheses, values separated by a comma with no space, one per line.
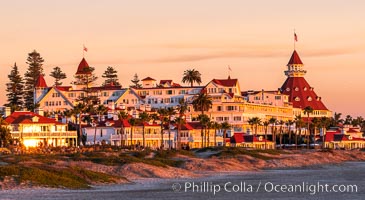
(85,49)
(229,68)
(295,37)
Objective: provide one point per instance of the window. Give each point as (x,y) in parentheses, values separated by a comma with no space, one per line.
(277,97)
(219,108)
(237,118)
(229,108)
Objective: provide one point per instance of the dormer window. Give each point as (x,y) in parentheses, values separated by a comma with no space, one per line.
(288,89)
(35,119)
(297,99)
(309,98)
(296,89)
(305,88)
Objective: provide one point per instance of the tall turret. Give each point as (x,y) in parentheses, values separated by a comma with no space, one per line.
(301,94)
(40,89)
(84,76)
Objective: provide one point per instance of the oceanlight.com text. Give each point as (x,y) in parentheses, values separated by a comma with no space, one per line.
(267,187)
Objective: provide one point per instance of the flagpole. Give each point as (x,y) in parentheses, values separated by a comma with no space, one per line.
(294,39)
(83,50)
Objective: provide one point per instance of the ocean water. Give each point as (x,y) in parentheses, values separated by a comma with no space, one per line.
(341,181)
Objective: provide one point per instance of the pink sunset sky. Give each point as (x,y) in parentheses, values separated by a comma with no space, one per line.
(162,38)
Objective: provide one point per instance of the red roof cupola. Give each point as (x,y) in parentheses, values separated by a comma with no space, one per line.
(40,83)
(295,66)
(295,59)
(83,67)
(301,94)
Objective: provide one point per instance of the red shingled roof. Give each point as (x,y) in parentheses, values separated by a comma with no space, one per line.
(63,88)
(245,138)
(148,79)
(186,126)
(40,83)
(162,82)
(21,117)
(226,82)
(295,59)
(304,96)
(82,69)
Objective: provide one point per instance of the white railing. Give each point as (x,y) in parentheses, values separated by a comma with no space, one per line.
(140,136)
(44,134)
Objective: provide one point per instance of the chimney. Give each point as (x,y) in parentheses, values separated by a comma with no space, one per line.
(39,111)
(7,111)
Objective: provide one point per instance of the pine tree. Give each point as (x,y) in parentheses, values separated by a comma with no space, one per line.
(35,68)
(14,89)
(58,75)
(135,81)
(111,76)
(87,79)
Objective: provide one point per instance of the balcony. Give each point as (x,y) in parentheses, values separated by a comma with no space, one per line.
(139,136)
(66,134)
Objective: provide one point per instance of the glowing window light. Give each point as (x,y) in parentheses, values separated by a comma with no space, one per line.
(30,143)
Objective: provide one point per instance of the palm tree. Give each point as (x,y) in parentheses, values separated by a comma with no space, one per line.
(144,117)
(255,122)
(132,122)
(162,113)
(204,120)
(208,128)
(5,135)
(191,76)
(251,123)
(179,121)
(307,111)
(202,103)
(315,124)
(298,125)
(170,112)
(225,126)
(183,107)
(323,123)
(78,110)
(266,125)
(67,114)
(281,123)
(273,121)
(122,115)
(216,126)
(101,109)
(289,123)
(336,119)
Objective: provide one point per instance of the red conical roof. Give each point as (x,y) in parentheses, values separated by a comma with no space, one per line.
(295,59)
(40,83)
(82,69)
(301,94)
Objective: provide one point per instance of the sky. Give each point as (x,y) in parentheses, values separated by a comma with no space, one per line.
(162,38)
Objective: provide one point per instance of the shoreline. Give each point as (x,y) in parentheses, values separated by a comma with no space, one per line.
(199,166)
